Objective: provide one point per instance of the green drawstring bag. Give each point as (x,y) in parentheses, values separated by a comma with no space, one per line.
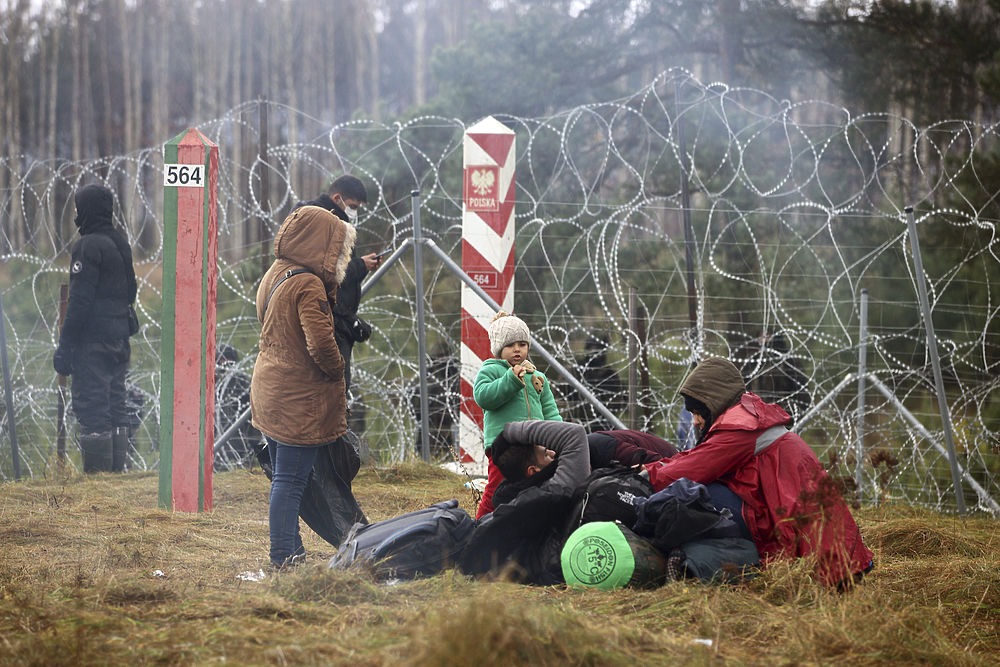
(607,555)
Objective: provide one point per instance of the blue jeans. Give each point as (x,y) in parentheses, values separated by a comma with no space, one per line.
(290,468)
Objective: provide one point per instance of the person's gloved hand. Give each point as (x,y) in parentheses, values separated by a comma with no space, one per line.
(62,360)
(362,331)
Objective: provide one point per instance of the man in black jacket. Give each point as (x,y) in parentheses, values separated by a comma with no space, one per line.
(543,462)
(343,198)
(93,344)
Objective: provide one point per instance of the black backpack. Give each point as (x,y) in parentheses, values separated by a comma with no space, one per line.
(410,545)
(614,493)
(683,512)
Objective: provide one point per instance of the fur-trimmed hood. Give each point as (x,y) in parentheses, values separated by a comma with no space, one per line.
(298,394)
(318,240)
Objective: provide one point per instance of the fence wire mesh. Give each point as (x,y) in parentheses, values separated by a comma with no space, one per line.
(794,208)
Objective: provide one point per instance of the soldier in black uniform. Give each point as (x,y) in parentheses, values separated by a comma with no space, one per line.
(93,344)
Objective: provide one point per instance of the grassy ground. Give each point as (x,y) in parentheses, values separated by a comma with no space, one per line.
(77,586)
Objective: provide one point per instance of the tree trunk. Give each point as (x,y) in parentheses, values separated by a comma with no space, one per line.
(108,141)
(76,105)
(730,39)
(11,62)
(419,54)
(52,100)
(129,33)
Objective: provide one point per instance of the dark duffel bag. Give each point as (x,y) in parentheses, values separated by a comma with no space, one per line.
(415,544)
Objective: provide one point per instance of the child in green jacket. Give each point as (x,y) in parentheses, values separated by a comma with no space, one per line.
(509,389)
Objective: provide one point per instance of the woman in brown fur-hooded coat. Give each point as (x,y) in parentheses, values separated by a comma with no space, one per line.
(297,394)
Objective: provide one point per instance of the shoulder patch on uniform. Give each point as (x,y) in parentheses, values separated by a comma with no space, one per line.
(77,267)
(324,305)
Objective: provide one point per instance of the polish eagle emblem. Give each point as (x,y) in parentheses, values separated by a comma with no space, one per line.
(482,181)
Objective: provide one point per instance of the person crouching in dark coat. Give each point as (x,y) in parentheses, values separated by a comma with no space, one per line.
(297,393)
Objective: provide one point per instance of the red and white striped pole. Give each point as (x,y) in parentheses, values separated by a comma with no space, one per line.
(488,258)
(187,348)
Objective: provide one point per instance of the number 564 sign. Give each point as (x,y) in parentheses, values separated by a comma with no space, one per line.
(184,175)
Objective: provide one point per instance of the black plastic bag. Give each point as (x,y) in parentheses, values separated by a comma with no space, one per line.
(328,503)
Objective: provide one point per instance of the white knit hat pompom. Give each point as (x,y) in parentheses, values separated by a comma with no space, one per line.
(506,329)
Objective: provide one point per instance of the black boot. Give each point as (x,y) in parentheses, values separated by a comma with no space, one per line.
(96,449)
(119,448)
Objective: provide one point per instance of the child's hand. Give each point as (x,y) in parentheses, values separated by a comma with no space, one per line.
(519,371)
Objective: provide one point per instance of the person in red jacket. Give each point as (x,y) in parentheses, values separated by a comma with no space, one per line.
(791,505)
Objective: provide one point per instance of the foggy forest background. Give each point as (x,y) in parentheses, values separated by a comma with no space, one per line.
(86,78)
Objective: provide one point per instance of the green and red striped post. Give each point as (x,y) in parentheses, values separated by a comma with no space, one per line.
(187,349)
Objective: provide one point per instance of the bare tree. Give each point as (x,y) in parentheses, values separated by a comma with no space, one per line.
(76,60)
(50,69)
(420,53)
(11,67)
(130,36)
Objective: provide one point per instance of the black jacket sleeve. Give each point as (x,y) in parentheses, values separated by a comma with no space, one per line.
(349,294)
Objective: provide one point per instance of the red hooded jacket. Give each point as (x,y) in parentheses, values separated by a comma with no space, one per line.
(790,504)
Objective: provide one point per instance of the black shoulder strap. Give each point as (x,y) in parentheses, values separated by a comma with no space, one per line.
(288,274)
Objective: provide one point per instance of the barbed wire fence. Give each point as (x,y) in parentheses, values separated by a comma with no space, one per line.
(793,208)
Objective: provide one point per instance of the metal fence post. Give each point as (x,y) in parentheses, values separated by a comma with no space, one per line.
(265,186)
(61,382)
(418,275)
(632,352)
(9,391)
(862,374)
(925,308)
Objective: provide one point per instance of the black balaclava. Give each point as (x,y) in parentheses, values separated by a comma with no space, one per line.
(94,207)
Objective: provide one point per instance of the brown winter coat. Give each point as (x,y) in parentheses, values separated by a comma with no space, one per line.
(297,391)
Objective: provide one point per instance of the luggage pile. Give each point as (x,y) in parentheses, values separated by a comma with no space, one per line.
(612,532)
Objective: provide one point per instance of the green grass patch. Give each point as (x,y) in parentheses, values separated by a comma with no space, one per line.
(93,573)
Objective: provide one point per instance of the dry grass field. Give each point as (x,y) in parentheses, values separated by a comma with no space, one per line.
(91,572)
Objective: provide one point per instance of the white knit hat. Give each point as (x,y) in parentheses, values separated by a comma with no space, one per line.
(506,329)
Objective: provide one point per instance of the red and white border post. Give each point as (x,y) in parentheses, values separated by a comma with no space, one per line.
(187,348)
(488,258)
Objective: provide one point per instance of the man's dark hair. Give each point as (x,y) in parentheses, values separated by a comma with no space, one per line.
(349,186)
(512,458)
